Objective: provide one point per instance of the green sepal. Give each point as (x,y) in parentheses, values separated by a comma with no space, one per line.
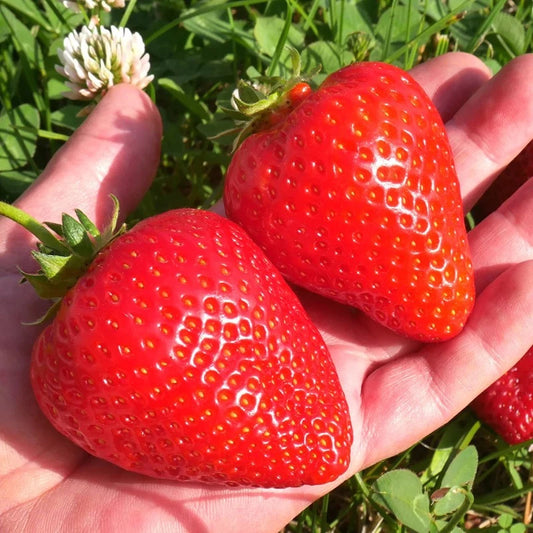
(253,99)
(61,269)
(56,228)
(65,252)
(42,286)
(249,94)
(110,231)
(77,237)
(252,106)
(51,265)
(88,224)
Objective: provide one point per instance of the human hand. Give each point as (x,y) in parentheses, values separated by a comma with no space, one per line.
(398,390)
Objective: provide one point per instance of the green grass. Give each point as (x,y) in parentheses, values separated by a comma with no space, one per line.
(198,50)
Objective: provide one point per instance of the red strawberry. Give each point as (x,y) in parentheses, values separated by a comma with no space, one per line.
(353,194)
(182,353)
(519,170)
(507,405)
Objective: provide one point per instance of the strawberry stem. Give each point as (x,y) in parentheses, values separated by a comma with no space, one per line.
(256,103)
(34,227)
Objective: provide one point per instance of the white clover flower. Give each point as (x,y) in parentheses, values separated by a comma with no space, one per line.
(96,58)
(106,5)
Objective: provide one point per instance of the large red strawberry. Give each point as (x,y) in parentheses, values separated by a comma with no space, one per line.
(182,353)
(519,170)
(352,193)
(507,405)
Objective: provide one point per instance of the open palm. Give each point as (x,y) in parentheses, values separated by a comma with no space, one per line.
(398,390)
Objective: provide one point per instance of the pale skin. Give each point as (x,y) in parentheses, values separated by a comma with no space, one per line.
(398,391)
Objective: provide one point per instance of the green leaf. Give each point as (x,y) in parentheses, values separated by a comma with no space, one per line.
(15,182)
(214,24)
(267,31)
(482,28)
(56,88)
(61,271)
(456,435)
(493,64)
(5,32)
(462,469)
(401,492)
(24,40)
(354,19)
(324,54)
(18,136)
(222,129)
(188,101)
(505,520)
(442,525)
(396,26)
(67,117)
(512,31)
(449,502)
(61,18)
(28,9)
(423,36)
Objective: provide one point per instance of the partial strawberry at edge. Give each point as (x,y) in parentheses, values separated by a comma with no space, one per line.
(507,405)
(353,194)
(183,354)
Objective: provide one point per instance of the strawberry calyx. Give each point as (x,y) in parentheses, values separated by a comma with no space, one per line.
(64,251)
(263,102)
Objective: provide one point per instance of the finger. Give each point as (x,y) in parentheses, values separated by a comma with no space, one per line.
(451,79)
(493,126)
(503,238)
(116,150)
(425,390)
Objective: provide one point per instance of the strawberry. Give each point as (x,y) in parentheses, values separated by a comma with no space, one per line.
(507,405)
(352,193)
(519,170)
(182,353)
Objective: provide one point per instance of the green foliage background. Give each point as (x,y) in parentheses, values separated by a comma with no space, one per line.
(461,477)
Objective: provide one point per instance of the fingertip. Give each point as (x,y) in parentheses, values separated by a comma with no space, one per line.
(451,79)
(136,129)
(135,104)
(115,151)
(492,127)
